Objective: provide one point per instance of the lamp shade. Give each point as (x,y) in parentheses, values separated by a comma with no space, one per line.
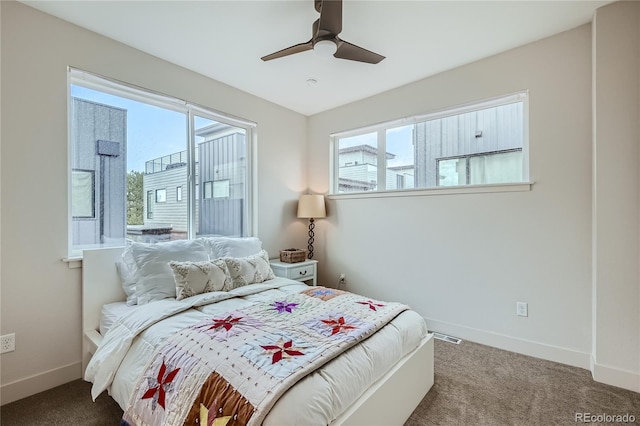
(311,206)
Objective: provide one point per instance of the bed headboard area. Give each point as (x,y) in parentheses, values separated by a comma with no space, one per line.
(100,285)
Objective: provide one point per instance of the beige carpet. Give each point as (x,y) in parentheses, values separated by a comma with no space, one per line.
(480,385)
(475,385)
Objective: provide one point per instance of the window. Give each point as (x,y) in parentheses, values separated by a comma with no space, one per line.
(82,188)
(216,189)
(150,204)
(161,195)
(480,144)
(207,190)
(221,188)
(128,146)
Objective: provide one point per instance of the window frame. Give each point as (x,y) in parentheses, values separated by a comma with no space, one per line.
(381,129)
(76,76)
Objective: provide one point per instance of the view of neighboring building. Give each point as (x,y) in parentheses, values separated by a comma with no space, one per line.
(99,182)
(358,170)
(220,188)
(475,147)
(98,178)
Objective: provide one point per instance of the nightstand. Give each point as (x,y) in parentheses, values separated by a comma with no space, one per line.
(299,271)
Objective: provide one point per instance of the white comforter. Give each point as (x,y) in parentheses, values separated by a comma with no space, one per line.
(317,399)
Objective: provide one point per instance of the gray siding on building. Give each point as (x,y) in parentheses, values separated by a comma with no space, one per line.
(220,159)
(223,159)
(92,122)
(501,127)
(172,212)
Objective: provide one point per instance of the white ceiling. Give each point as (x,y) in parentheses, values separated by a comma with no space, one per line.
(224,40)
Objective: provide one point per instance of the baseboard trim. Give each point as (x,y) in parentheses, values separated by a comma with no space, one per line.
(513,344)
(32,385)
(615,377)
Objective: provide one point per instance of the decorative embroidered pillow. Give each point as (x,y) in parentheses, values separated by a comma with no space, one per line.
(249,270)
(200,277)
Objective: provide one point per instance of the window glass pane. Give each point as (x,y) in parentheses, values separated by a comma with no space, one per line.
(129,155)
(161,195)
(222,156)
(82,196)
(221,188)
(358,163)
(131,145)
(208,190)
(452,172)
(150,204)
(468,135)
(400,158)
(496,168)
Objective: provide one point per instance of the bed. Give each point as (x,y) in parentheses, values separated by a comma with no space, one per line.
(396,388)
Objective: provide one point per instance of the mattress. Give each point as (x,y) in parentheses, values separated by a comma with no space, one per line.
(316,399)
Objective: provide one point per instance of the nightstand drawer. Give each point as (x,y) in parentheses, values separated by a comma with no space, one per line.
(302,272)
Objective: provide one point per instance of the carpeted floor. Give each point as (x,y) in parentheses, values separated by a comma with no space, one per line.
(479,385)
(474,385)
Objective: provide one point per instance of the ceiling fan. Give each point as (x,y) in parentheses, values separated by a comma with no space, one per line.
(325,38)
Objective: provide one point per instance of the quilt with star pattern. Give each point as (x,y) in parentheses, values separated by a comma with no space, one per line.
(230,369)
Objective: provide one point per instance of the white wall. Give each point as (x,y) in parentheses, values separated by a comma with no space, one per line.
(464,260)
(616,195)
(40,294)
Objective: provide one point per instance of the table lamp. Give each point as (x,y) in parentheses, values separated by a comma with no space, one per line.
(311,207)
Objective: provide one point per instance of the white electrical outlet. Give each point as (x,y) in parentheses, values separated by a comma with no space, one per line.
(342,280)
(7,343)
(522,309)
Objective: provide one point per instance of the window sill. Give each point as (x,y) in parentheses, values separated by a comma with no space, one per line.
(73,262)
(444,190)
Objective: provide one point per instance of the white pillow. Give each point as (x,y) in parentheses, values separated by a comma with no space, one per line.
(128,281)
(232,247)
(155,278)
(200,277)
(128,272)
(250,269)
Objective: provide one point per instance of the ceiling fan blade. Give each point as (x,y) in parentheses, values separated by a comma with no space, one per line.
(298,48)
(352,52)
(330,18)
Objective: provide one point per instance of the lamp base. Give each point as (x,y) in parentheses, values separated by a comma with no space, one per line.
(311,235)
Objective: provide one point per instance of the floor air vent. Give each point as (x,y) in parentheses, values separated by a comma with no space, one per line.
(446,338)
